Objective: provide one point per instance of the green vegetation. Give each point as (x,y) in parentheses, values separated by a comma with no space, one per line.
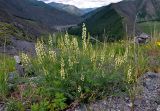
(8,30)
(150,27)
(68,72)
(7,65)
(105,25)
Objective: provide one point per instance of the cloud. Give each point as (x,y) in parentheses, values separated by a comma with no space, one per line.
(84,3)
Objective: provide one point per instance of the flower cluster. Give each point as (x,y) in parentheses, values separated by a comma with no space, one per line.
(52,55)
(62,71)
(25,59)
(129,74)
(84,36)
(40,51)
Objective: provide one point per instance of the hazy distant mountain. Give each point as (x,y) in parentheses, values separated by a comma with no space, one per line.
(71,8)
(34,17)
(114,18)
(68,8)
(87,10)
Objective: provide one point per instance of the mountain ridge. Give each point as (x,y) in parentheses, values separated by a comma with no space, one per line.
(71,8)
(118,19)
(34,18)
(67,8)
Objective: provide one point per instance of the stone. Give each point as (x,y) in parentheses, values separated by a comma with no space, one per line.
(12,76)
(17,59)
(152,76)
(142,38)
(19,66)
(20,70)
(81,108)
(2,107)
(158,108)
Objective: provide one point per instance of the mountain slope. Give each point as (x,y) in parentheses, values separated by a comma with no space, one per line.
(68,8)
(34,17)
(39,11)
(87,10)
(138,11)
(115,18)
(104,20)
(71,8)
(150,10)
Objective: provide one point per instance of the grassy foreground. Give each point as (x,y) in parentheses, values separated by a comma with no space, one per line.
(68,72)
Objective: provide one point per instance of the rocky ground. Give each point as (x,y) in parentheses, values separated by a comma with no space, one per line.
(19,46)
(2,107)
(147,98)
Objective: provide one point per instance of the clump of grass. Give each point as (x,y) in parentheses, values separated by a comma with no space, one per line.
(7,65)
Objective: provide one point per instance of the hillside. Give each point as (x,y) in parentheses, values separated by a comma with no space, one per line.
(68,8)
(114,18)
(87,10)
(71,8)
(34,18)
(149,10)
(97,25)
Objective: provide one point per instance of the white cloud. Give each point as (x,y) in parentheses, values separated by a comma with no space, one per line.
(84,3)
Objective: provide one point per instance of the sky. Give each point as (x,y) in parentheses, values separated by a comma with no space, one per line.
(84,3)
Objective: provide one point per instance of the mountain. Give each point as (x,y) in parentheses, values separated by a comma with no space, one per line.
(33,18)
(71,8)
(87,10)
(100,21)
(116,19)
(68,8)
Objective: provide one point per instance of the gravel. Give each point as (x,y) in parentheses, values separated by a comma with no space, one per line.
(147,97)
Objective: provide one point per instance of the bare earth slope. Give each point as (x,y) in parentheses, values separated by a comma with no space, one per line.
(34,16)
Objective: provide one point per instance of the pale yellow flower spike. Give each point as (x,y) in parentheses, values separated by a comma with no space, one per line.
(62,72)
(39,47)
(129,74)
(52,55)
(25,59)
(84,37)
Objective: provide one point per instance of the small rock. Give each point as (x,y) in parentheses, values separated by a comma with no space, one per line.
(12,76)
(142,38)
(2,107)
(130,104)
(81,108)
(19,66)
(158,108)
(152,76)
